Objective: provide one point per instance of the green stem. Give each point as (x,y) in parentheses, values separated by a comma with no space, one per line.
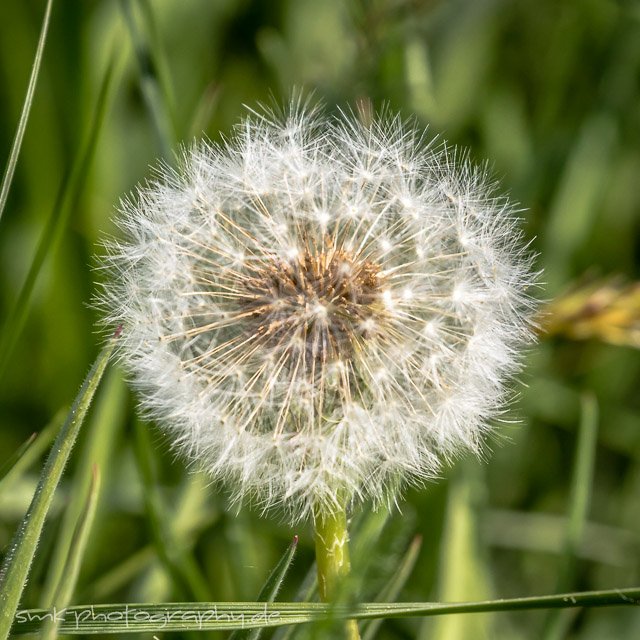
(332,558)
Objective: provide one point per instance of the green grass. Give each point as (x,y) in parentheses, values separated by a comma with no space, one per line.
(17,561)
(546,91)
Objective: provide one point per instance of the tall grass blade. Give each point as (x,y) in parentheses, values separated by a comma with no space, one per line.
(176,557)
(107,417)
(463,572)
(64,206)
(581,188)
(581,486)
(394,586)
(154,91)
(270,589)
(189,514)
(306,592)
(579,502)
(159,58)
(9,171)
(15,568)
(226,616)
(66,587)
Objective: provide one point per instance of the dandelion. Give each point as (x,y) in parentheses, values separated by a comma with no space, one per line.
(319,311)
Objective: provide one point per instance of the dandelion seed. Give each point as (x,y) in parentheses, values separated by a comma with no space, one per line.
(320,310)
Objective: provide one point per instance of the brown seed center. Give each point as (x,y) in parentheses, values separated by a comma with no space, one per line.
(320,305)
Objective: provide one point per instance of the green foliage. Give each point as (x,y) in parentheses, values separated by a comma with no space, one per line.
(17,562)
(7,178)
(546,91)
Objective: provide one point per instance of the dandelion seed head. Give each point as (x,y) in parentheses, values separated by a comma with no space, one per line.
(320,308)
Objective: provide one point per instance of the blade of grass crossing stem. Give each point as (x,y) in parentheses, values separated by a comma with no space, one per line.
(32,452)
(463,572)
(12,161)
(153,92)
(15,568)
(107,417)
(66,202)
(226,616)
(175,556)
(394,586)
(270,589)
(65,588)
(580,499)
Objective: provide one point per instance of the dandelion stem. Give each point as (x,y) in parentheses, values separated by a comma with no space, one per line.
(332,558)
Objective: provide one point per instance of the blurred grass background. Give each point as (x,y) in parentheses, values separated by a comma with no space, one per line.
(547,91)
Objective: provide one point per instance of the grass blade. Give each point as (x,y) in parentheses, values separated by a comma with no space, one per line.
(30,451)
(64,206)
(221,616)
(581,187)
(7,178)
(393,588)
(579,502)
(463,571)
(176,557)
(107,417)
(581,485)
(307,591)
(17,455)
(154,91)
(190,514)
(205,108)
(66,587)
(15,568)
(121,575)
(271,587)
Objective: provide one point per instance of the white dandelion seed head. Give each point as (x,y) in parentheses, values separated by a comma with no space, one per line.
(320,308)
